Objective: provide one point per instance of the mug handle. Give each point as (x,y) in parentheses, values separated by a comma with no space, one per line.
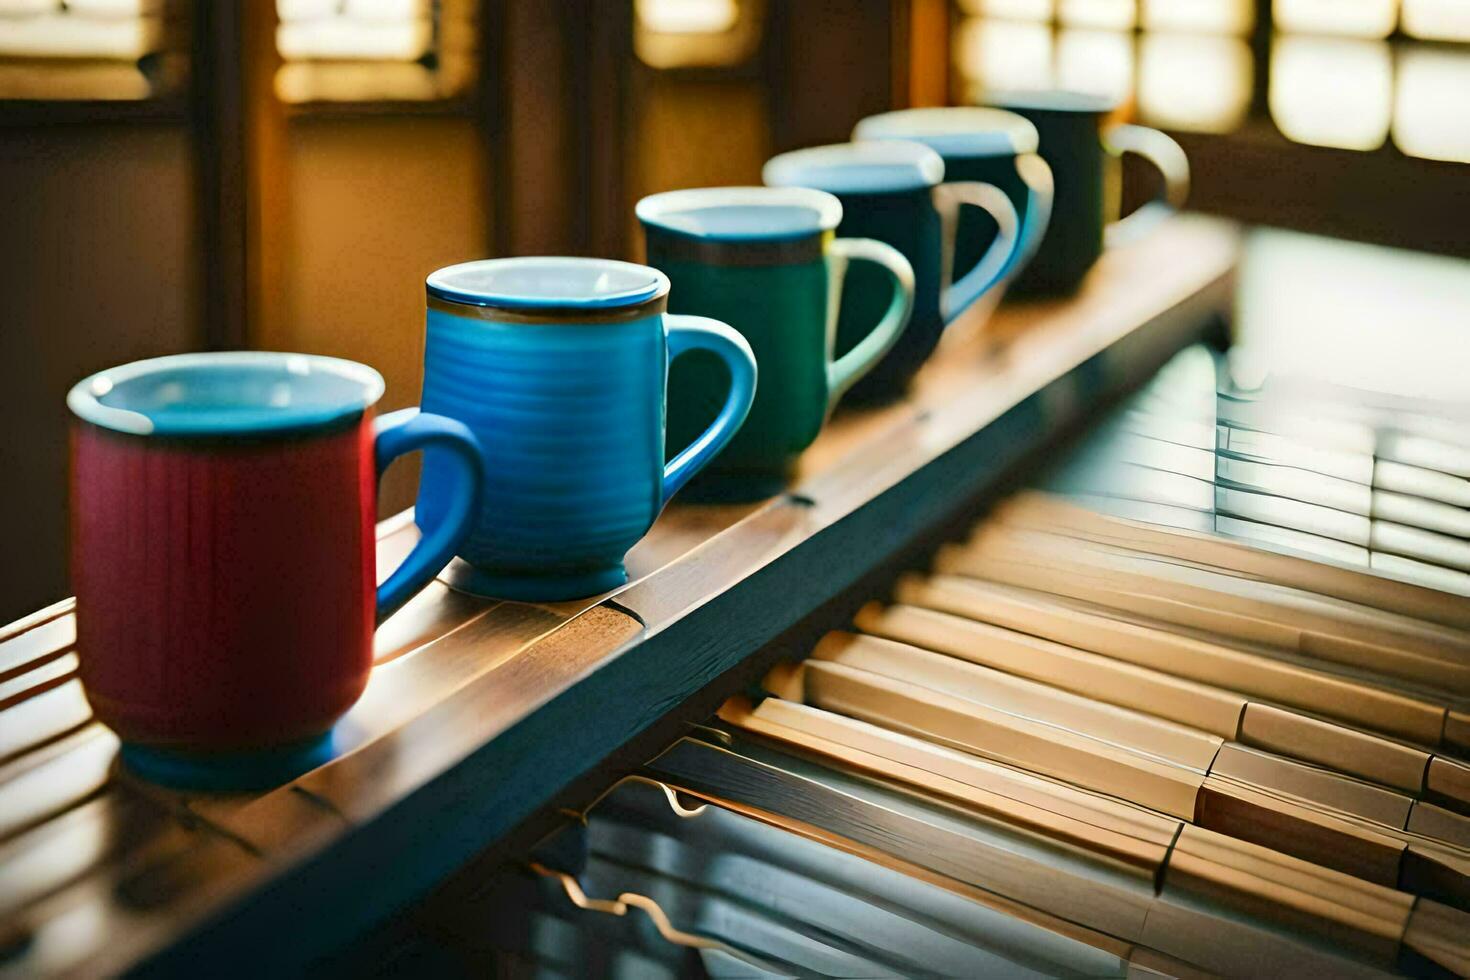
(844,372)
(1040,189)
(956,297)
(1166,155)
(688,333)
(403,432)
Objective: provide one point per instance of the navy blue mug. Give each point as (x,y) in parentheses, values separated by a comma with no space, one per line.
(894,191)
(559,366)
(1082,146)
(978,144)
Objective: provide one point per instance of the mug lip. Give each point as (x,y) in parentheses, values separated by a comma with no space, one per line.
(648,284)
(954,131)
(868,167)
(657,210)
(85,397)
(1050,100)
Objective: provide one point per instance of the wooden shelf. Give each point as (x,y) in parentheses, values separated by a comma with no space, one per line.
(480,712)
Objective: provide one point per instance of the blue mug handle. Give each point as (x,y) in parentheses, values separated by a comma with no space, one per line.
(1040,190)
(688,333)
(956,297)
(403,432)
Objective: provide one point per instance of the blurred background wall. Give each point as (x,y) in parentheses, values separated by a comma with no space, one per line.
(188,174)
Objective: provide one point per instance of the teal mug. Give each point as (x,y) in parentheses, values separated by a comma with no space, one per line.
(766,261)
(559,367)
(894,192)
(990,146)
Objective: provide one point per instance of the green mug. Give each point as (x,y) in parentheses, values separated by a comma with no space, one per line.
(766,261)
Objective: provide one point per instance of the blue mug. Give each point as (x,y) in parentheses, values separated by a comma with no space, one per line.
(559,366)
(894,191)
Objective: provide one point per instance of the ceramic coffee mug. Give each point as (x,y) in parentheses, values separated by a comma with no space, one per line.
(991,146)
(764,260)
(559,366)
(892,191)
(223,554)
(1082,151)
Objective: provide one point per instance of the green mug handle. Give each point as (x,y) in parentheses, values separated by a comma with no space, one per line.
(1165,154)
(844,372)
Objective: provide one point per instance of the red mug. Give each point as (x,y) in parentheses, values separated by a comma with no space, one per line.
(223,554)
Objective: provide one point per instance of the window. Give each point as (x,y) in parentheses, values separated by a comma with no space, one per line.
(374,50)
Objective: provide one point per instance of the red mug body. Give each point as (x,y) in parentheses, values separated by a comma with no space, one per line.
(225,585)
(224,555)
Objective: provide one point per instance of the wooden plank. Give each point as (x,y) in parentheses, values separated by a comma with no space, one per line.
(1321,787)
(1093,628)
(1342,749)
(1439,823)
(1265,884)
(1005,738)
(1068,668)
(1033,509)
(1448,783)
(1174,743)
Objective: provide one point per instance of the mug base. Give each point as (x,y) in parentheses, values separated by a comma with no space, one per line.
(461,576)
(233,770)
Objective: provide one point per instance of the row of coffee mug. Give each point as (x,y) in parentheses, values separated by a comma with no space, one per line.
(224,504)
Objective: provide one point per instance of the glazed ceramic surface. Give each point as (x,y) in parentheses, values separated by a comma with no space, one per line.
(559,366)
(891,192)
(979,145)
(764,260)
(1078,145)
(223,512)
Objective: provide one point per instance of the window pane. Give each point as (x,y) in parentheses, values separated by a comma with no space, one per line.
(1194,82)
(999,55)
(1331,91)
(1437,20)
(374,50)
(1354,18)
(89,49)
(1012,9)
(687,16)
(1214,16)
(1118,15)
(1431,118)
(702,34)
(1096,62)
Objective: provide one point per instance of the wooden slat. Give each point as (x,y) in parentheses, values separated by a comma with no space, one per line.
(1097,677)
(1233,607)
(1035,510)
(1177,744)
(1326,744)
(1003,737)
(1248,814)
(1092,628)
(1254,880)
(1439,823)
(1320,786)
(1104,826)
(1448,783)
